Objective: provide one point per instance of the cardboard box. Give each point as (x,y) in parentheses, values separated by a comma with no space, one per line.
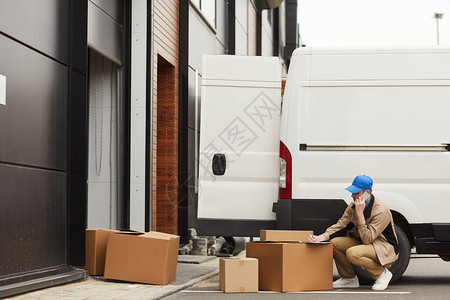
(293,267)
(149,257)
(238,275)
(284,235)
(96,240)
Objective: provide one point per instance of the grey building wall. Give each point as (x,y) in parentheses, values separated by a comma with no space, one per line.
(267,34)
(103,143)
(105,40)
(241,27)
(33,135)
(292,34)
(43,57)
(204,38)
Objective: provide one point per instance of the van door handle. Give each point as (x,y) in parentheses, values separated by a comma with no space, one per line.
(219,164)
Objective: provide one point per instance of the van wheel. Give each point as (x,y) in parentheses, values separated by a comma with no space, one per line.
(398,267)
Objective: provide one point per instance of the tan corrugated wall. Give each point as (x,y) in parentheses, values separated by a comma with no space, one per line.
(165,117)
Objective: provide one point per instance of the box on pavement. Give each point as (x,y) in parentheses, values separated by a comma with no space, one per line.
(149,257)
(238,275)
(96,240)
(284,235)
(293,267)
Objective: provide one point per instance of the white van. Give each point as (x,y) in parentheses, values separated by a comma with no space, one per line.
(378,112)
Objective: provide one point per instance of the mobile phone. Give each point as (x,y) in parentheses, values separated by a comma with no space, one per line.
(365,196)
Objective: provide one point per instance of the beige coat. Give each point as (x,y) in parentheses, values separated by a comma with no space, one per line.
(377,228)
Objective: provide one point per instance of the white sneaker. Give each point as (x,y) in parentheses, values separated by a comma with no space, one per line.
(382,282)
(346,283)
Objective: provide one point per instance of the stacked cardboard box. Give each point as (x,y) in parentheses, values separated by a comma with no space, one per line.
(284,235)
(288,263)
(238,275)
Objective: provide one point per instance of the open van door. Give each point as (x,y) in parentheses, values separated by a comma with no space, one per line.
(239,145)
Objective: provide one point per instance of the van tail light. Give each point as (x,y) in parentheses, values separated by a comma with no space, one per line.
(282,173)
(285,191)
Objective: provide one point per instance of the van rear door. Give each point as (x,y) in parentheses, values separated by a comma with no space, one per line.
(239,145)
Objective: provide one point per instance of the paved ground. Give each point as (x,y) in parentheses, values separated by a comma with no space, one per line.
(192,271)
(427,277)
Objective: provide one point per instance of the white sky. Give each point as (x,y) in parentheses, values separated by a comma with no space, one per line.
(373,23)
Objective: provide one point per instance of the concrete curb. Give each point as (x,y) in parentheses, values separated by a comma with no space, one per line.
(188,284)
(72,275)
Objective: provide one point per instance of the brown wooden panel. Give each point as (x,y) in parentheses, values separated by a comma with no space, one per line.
(165,121)
(171,58)
(162,40)
(166,191)
(166,29)
(165,10)
(167,23)
(169,5)
(166,45)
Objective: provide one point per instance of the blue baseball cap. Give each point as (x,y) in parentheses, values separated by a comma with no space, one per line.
(361,182)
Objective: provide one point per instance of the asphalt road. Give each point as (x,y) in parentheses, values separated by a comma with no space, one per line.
(427,277)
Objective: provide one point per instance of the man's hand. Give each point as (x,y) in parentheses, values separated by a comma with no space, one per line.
(316,238)
(359,208)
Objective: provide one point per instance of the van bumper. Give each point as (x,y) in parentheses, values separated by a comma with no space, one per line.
(308,214)
(228,227)
(431,238)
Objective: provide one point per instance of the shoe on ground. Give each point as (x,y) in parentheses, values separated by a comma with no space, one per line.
(383,281)
(346,283)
